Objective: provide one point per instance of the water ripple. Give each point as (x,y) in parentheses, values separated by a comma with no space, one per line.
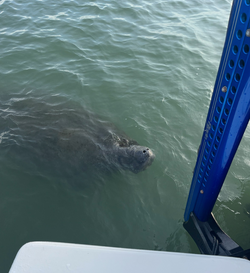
(147,66)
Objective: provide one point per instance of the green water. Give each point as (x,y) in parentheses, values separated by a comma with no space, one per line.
(149,68)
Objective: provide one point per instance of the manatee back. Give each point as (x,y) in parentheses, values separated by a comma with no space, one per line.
(57,133)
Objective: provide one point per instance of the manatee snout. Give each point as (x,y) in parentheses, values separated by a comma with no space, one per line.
(136,158)
(143,154)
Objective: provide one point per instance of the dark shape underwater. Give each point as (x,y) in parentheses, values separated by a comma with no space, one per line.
(58,134)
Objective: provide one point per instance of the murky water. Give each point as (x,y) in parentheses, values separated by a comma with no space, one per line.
(149,69)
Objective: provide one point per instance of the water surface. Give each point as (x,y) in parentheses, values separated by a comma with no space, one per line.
(147,67)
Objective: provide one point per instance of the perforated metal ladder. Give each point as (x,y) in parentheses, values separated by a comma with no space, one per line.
(227,118)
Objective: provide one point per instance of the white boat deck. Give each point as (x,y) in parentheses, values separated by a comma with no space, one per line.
(52,257)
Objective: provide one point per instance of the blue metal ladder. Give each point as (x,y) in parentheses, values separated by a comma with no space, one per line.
(227,119)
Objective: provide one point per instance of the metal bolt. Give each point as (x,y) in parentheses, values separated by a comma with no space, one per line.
(201,191)
(248,32)
(224,89)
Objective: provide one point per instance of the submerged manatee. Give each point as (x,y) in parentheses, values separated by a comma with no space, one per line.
(63,136)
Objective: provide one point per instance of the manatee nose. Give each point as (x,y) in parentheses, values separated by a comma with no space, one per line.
(147,153)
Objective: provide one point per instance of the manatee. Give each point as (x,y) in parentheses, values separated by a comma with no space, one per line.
(59,134)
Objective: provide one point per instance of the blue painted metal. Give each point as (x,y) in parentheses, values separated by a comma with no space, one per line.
(227,117)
